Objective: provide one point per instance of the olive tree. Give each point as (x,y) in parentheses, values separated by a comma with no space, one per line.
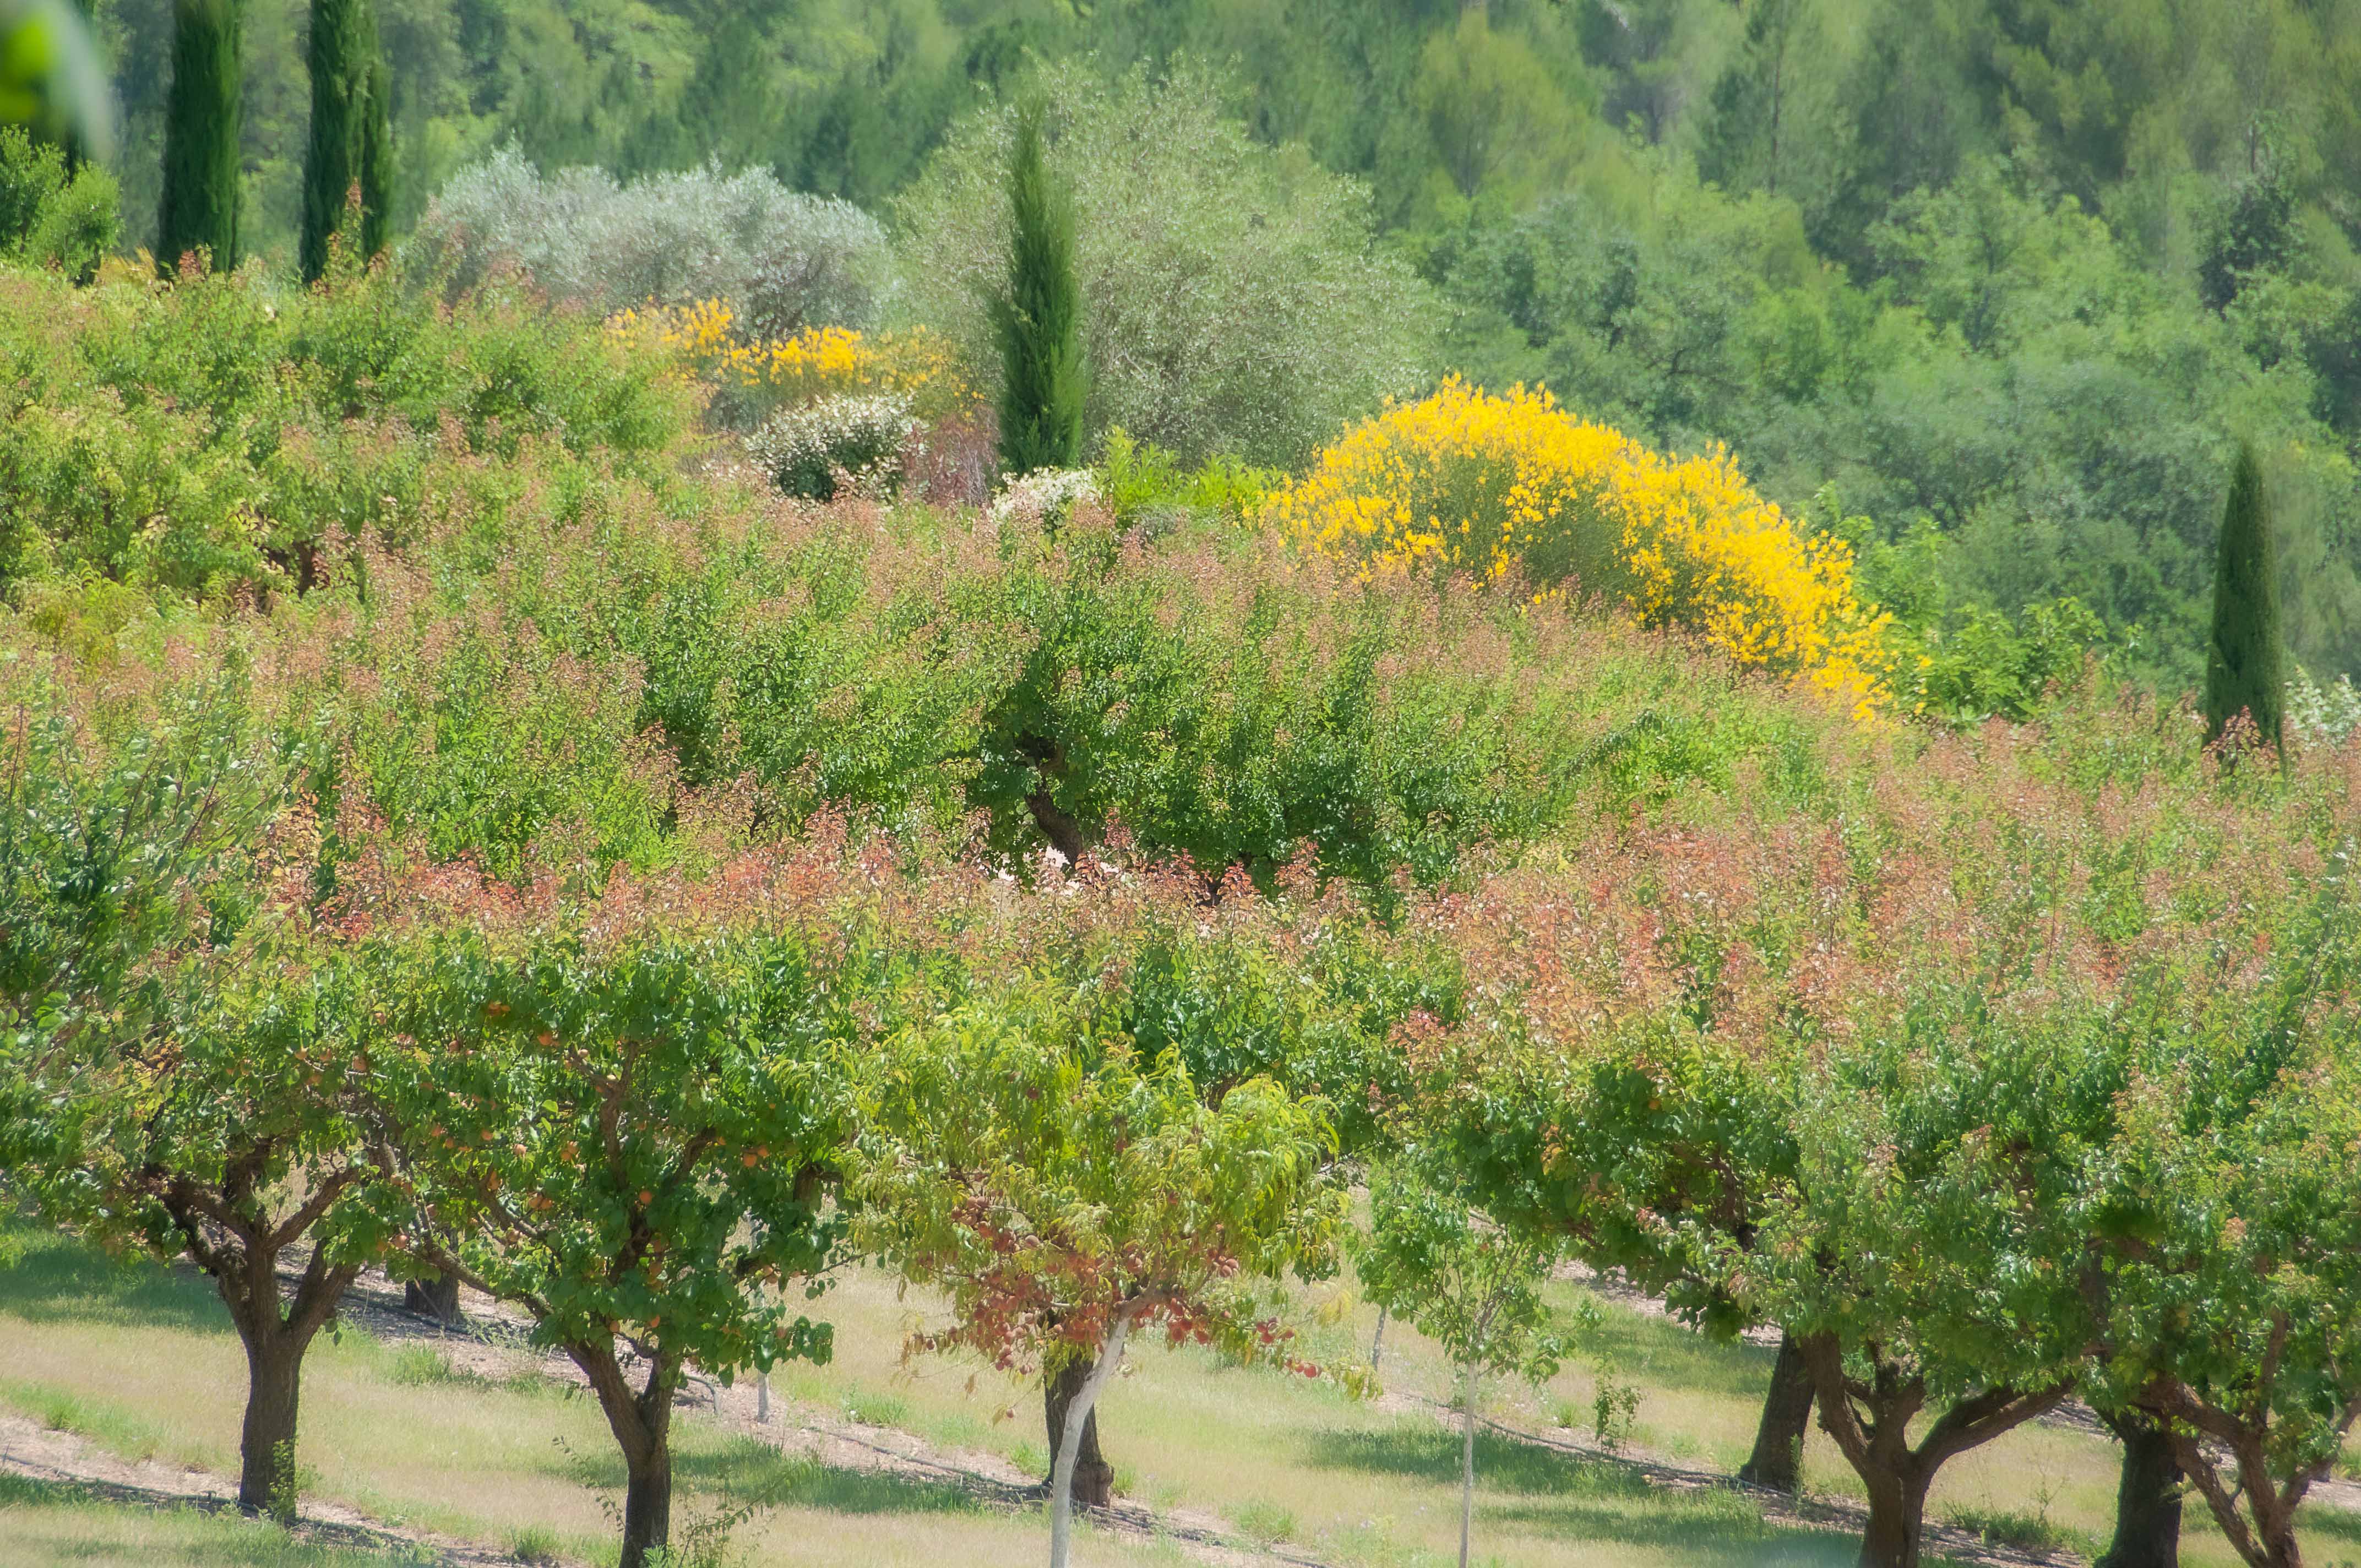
(1065,1195)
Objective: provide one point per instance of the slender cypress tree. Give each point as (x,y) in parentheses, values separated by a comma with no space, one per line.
(1039,320)
(2246,667)
(201,119)
(348,131)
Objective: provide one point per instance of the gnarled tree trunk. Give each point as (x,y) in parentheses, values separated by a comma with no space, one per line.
(1778,1458)
(275,1329)
(266,1443)
(2251,1500)
(2148,1498)
(1896,1531)
(1870,1423)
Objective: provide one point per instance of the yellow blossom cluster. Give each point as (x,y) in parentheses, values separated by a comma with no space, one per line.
(816,362)
(1512,487)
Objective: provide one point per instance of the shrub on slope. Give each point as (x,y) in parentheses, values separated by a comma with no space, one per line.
(205,436)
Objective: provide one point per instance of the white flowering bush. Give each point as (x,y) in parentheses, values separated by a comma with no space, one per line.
(2329,714)
(1046,495)
(784,260)
(823,449)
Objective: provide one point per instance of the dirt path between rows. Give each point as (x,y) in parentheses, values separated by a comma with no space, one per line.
(73,1461)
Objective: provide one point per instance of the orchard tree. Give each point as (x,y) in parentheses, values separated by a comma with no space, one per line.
(1468,1284)
(174,1072)
(229,1131)
(1638,1151)
(1926,1253)
(1065,1195)
(2227,1220)
(622,1130)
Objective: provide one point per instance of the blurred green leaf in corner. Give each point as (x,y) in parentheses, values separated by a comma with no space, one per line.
(51,78)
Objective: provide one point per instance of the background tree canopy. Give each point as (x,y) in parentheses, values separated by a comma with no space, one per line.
(2021,268)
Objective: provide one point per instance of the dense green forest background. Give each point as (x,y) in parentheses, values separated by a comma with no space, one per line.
(1991,285)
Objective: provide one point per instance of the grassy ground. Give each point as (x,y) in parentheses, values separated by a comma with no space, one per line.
(142,1362)
(44,1523)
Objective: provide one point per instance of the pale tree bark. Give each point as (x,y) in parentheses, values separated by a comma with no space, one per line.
(1467,1468)
(1078,1414)
(1093,1486)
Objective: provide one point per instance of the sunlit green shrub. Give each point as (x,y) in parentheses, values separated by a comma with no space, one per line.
(210,435)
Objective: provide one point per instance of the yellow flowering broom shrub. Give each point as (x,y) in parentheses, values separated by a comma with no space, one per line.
(826,361)
(1513,488)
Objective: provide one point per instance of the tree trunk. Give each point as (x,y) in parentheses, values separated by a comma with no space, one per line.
(1094,1477)
(1377,1340)
(647,1502)
(2147,1500)
(274,1373)
(1897,1522)
(2263,1531)
(1077,1420)
(1468,1471)
(1778,1459)
(641,1422)
(436,1296)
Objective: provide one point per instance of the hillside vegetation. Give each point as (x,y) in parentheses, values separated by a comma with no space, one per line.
(2005,278)
(1438,768)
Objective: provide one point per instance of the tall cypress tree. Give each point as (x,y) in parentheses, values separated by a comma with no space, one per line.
(202,118)
(2246,667)
(348,131)
(1039,320)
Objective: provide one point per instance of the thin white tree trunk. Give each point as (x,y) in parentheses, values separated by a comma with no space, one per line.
(1070,1447)
(763,1380)
(1468,1472)
(1377,1340)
